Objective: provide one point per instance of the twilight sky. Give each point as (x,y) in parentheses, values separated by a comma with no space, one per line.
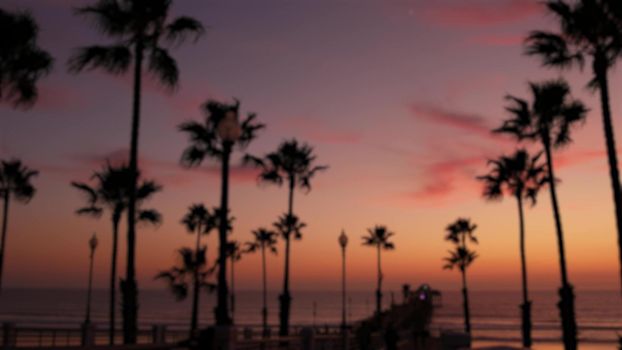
(397,96)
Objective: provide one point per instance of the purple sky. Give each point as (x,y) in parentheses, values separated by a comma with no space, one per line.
(396,96)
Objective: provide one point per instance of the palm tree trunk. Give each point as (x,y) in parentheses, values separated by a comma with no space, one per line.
(129,287)
(343,290)
(600,71)
(379,287)
(113,278)
(264,311)
(465,303)
(87,318)
(222,309)
(194,320)
(566,303)
(232,292)
(5,225)
(526,306)
(285,299)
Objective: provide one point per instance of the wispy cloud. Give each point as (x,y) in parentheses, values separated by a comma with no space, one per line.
(503,40)
(441,178)
(469,122)
(168,172)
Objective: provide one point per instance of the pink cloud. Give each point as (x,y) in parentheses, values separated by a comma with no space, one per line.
(115,157)
(577,157)
(168,172)
(471,123)
(448,176)
(480,13)
(497,40)
(440,178)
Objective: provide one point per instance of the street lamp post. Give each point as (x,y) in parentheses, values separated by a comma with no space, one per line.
(343,242)
(92,246)
(229,131)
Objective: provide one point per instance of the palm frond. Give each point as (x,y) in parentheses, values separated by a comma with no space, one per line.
(109,16)
(180,28)
(22,61)
(164,67)
(114,59)
(553,50)
(149,216)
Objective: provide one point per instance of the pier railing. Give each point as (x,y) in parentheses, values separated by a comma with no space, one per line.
(246,337)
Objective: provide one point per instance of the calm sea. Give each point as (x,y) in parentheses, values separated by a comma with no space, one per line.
(495,314)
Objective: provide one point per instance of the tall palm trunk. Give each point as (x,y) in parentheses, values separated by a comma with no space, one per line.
(116,217)
(222,313)
(264,311)
(379,287)
(343,290)
(129,286)
(465,302)
(600,71)
(89,293)
(285,299)
(195,288)
(232,292)
(566,303)
(526,306)
(5,225)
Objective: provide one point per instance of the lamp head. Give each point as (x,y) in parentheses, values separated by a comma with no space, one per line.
(343,239)
(93,242)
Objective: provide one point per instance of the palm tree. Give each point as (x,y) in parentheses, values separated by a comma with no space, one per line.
(378,237)
(520,176)
(138,29)
(215,138)
(548,120)
(22,61)
(587,30)
(263,239)
(459,233)
(111,192)
(234,252)
(197,220)
(15,182)
(192,271)
(92,246)
(293,163)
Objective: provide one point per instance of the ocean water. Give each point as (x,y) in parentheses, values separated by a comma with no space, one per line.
(495,315)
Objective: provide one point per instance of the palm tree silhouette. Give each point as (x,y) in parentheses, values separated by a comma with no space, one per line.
(198,220)
(520,176)
(548,120)
(263,239)
(15,182)
(588,30)
(378,237)
(206,141)
(459,233)
(234,252)
(138,28)
(22,61)
(111,192)
(288,226)
(293,163)
(192,272)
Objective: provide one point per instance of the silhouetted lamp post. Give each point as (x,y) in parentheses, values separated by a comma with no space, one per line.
(92,245)
(229,131)
(343,242)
